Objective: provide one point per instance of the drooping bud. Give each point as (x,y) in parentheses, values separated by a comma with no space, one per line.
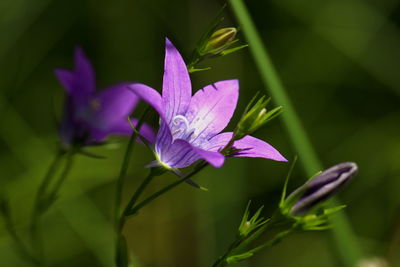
(319,189)
(255,116)
(219,40)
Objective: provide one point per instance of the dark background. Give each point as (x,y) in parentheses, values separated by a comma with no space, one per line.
(338,59)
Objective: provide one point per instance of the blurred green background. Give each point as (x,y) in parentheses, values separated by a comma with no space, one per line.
(338,59)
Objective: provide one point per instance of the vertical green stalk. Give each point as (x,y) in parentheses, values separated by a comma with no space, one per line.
(124,168)
(345,241)
(121,255)
(45,196)
(135,197)
(9,226)
(38,204)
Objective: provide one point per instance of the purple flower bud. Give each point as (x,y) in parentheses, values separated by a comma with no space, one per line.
(321,187)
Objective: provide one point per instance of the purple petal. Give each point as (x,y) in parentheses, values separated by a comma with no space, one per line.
(80,82)
(149,95)
(84,73)
(212,107)
(112,106)
(110,110)
(177,88)
(163,139)
(66,78)
(182,154)
(251,147)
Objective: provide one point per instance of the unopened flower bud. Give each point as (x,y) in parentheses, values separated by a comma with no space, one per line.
(250,224)
(219,41)
(255,117)
(320,188)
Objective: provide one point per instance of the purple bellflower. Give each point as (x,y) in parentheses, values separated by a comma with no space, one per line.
(190,126)
(90,116)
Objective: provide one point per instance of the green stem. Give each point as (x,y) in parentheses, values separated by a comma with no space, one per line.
(278,238)
(67,168)
(169,187)
(135,197)
(121,253)
(345,240)
(221,261)
(21,247)
(124,168)
(119,218)
(41,196)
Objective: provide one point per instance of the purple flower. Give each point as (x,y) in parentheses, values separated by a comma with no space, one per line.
(190,125)
(89,117)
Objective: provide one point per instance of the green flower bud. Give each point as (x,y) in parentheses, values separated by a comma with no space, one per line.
(249,225)
(255,117)
(219,41)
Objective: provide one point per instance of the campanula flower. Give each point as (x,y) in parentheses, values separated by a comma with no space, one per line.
(90,116)
(190,125)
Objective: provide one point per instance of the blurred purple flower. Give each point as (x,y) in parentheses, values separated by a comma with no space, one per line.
(190,125)
(90,116)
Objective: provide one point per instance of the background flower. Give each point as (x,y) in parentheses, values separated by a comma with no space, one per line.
(90,116)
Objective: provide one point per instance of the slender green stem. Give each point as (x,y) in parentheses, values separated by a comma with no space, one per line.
(121,252)
(169,187)
(21,247)
(119,218)
(42,202)
(164,190)
(221,261)
(40,195)
(275,240)
(64,174)
(124,168)
(345,240)
(135,197)
(121,255)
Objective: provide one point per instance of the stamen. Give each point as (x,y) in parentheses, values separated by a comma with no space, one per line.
(181,128)
(176,131)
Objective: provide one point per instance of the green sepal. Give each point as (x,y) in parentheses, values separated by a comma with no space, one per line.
(256,116)
(247,226)
(239,257)
(232,50)
(192,69)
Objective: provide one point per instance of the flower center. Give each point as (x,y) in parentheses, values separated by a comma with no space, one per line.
(180,128)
